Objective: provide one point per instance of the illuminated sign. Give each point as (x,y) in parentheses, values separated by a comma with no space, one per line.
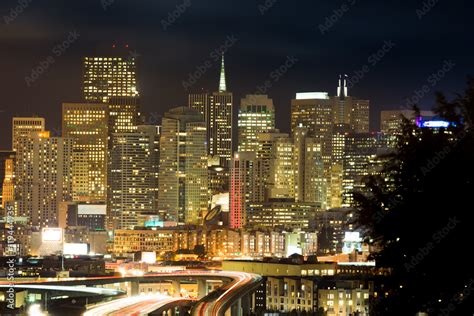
(52,234)
(312,95)
(435,124)
(75,249)
(91,209)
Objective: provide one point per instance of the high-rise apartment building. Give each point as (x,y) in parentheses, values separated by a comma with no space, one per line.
(244,178)
(132,177)
(106,77)
(217,111)
(87,124)
(183,174)
(44,178)
(256,115)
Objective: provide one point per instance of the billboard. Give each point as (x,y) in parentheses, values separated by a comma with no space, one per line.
(52,234)
(75,249)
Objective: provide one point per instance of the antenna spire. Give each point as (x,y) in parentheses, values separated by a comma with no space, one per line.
(222,84)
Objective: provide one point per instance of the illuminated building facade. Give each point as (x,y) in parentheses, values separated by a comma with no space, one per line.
(242,186)
(7,160)
(87,124)
(44,178)
(106,77)
(217,111)
(183,174)
(23,126)
(133,177)
(281,213)
(360,159)
(256,115)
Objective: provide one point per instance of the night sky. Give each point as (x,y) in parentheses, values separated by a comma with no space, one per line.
(266,33)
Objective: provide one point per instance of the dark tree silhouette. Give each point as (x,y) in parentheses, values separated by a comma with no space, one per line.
(418,215)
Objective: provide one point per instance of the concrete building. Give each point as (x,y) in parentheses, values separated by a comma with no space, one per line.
(7,163)
(44,177)
(217,111)
(87,124)
(256,116)
(133,177)
(23,126)
(183,175)
(109,76)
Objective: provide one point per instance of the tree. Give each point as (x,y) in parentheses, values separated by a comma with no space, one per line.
(417,214)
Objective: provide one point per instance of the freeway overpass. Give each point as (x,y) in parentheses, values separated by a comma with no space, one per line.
(233,298)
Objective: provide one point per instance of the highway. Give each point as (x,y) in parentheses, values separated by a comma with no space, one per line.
(236,285)
(131,306)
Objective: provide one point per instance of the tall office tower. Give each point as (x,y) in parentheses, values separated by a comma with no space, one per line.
(361,154)
(242,186)
(124,114)
(217,111)
(132,177)
(23,126)
(7,160)
(297,169)
(308,168)
(106,77)
(44,178)
(256,115)
(314,111)
(80,176)
(183,173)
(349,110)
(87,124)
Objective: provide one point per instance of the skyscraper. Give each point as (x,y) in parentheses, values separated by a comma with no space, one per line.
(87,124)
(217,111)
(7,160)
(256,115)
(23,126)
(242,186)
(44,178)
(132,177)
(183,175)
(124,114)
(106,77)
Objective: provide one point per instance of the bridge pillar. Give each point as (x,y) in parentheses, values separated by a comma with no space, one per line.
(134,288)
(202,288)
(236,308)
(176,288)
(245,305)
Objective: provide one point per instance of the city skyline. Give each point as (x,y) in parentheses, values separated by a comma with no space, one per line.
(162,70)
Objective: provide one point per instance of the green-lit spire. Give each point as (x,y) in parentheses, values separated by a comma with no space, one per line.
(222,85)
